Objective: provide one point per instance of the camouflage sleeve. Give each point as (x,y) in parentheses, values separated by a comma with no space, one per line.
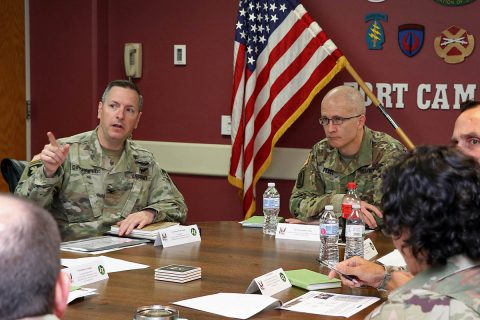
(36,186)
(422,304)
(308,195)
(386,159)
(165,198)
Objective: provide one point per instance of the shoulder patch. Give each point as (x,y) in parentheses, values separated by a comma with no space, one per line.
(300,178)
(33,167)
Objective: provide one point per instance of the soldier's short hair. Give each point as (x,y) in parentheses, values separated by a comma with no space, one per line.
(432,197)
(469,104)
(30,259)
(123,84)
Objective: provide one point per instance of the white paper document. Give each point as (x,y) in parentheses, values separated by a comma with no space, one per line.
(292,231)
(232,305)
(329,304)
(110,264)
(394,258)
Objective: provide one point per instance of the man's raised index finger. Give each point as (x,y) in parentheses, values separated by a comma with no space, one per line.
(52,139)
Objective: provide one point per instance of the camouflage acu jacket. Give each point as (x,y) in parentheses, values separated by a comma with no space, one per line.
(86,198)
(324,177)
(444,292)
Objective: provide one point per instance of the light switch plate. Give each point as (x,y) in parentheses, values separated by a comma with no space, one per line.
(180,54)
(226,126)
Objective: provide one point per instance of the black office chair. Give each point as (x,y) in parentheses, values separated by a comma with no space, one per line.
(12,171)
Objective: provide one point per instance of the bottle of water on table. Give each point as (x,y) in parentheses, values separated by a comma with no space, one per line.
(271,208)
(329,236)
(354,233)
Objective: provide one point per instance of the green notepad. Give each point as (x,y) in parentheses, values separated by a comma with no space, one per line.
(311,280)
(256,221)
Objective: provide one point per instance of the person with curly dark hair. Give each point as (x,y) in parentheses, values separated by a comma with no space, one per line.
(431,203)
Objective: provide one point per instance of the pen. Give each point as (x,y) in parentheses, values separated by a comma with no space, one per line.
(346,276)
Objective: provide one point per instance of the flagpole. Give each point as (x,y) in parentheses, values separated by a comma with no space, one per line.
(402,135)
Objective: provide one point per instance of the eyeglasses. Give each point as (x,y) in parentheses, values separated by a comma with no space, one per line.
(335,120)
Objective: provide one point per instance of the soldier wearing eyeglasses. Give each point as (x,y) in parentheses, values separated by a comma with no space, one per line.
(349,152)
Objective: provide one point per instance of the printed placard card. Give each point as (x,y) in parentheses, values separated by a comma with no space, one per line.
(369,250)
(87,273)
(270,283)
(177,235)
(290,231)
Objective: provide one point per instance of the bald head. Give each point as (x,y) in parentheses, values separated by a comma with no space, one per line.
(346,98)
(30,259)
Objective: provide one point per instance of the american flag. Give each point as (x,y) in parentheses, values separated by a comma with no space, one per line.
(282,59)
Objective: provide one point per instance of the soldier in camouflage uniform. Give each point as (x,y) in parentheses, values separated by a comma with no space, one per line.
(95,179)
(350,152)
(432,212)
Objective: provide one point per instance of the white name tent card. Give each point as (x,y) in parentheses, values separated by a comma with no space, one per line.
(270,283)
(292,231)
(369,250)
(87,273)
(177,235)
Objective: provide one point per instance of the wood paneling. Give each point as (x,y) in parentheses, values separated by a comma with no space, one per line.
(12,81)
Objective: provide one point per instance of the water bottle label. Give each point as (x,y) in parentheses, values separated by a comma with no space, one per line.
(329,229)
(354,231)
(271,203)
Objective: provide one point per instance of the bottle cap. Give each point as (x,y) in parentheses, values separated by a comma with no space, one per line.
(329,207)
(271,184)
(351,185)
(356,206)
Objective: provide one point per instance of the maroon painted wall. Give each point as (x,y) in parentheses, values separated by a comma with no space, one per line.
(77,47)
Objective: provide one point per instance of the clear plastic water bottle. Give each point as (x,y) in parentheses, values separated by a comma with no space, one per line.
(354,233)
(348,200)
(271,208)
(329,236)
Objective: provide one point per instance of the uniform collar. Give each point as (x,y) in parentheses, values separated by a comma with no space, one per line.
(96,153)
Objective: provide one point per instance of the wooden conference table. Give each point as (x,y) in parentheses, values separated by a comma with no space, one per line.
(230,257)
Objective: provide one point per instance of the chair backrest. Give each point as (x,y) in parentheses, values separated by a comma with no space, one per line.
(12,171)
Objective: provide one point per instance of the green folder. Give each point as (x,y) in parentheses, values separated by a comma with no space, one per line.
(311,280)
(256,222)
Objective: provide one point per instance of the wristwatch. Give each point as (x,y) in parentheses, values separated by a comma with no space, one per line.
(387,275)
(386,278)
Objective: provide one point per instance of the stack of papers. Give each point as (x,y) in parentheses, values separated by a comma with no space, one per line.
(98,244)
(178,273)
(148,232)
